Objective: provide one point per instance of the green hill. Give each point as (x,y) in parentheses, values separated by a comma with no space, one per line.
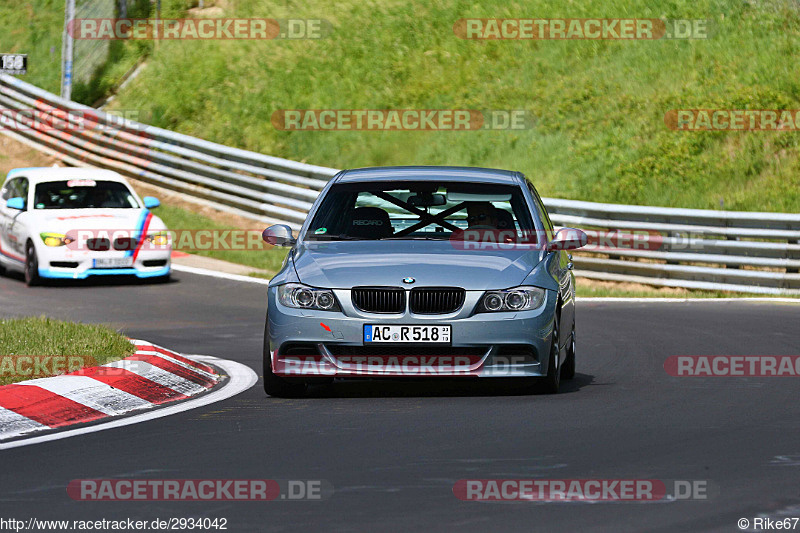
(599,132)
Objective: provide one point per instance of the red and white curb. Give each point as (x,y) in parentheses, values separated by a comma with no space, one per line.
(152,376)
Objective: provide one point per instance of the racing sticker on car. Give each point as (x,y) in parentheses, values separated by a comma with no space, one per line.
(81,183)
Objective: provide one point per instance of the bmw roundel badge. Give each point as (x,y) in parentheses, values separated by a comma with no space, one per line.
(409,280)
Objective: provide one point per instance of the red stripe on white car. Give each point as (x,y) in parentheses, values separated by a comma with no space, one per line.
(152,376)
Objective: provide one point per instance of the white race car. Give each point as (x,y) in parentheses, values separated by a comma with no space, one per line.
(72,223)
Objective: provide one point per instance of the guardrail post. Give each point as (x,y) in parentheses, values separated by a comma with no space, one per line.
(793,270)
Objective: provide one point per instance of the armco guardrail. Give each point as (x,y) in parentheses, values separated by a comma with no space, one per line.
(719,250)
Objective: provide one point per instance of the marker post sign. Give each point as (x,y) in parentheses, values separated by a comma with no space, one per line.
(14,64)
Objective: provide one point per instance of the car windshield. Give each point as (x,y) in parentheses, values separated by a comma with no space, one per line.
(82,194)
(423,210)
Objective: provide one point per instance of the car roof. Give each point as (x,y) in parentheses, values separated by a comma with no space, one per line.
(422,173)
(42,174)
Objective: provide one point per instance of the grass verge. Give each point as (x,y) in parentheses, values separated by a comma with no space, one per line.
(55,347)
(591,289)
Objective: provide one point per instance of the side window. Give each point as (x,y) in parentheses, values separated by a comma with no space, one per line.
(10,189)
(548,225)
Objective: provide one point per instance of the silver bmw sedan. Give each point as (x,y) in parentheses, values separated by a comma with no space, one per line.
(420,272)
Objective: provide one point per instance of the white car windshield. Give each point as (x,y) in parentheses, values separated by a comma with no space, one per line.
(83,194)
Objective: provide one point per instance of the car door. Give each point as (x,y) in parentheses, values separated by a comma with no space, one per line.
(12,239)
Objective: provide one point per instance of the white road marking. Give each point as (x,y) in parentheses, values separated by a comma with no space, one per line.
(217,274)
(91,393)
(15,425)
(241,378)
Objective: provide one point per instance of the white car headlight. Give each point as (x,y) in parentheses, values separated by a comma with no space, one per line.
(516,299)
(55,239)
(302,296)
(161,238)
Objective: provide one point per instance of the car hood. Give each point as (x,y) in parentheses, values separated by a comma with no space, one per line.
(63,220)
(342,265)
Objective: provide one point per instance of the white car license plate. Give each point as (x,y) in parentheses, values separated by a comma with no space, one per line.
(393,333)
(113,262)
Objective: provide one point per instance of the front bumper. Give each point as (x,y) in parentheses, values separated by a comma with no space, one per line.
(62,263)
(307,343)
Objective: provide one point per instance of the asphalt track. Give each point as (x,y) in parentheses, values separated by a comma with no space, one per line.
(393,451)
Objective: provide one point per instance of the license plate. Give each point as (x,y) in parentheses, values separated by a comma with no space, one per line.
(113,262)
(395,333)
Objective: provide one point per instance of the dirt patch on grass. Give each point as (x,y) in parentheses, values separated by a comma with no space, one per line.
(598,285)
(14,154)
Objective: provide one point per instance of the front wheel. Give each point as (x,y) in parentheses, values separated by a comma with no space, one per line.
(552,381)
(275,385)
(568,368)
(31,266)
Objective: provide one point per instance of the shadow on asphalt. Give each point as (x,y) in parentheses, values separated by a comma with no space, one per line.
(438,387)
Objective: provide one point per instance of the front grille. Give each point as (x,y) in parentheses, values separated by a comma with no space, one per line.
(125,243)
(436,300)
(379,299)
(98,244)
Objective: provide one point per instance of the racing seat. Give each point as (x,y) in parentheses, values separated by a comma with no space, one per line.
(369,223)
(504,219)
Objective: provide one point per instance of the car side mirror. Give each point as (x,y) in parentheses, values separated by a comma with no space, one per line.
(568,239)
(17,203)
(151,202)
(278,235)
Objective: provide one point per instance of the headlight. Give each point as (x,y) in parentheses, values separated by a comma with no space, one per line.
(158,239)
(516,299)
(55,239)
(302,296)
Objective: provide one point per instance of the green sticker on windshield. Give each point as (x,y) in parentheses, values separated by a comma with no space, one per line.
(320,231)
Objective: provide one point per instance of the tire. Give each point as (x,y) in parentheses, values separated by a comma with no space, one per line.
(568,368)
(276,385)
(31,266)
(162,279)
(552,381)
